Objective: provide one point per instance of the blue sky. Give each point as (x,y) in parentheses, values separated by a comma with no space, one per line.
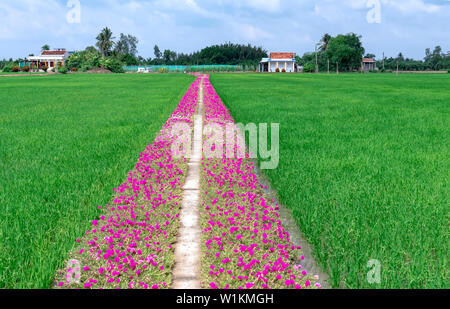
(407,26)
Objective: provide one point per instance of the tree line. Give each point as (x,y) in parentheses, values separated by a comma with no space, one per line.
(434,60)
(226,54)
(114,54)
(343,52)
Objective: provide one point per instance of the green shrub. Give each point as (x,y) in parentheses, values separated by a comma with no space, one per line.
(112,64)
(15,68)
(74,61)
(163,70)
(62,70)
(129,59)
(44,68)
(309,67)
(85,68)
(89,58)
(26,68)
(7,68)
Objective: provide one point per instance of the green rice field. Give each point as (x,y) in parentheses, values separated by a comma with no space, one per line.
(364,164)
(364,167)
(65,143)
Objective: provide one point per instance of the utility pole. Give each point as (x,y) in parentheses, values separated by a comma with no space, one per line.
(337,67)
(317,65)
(383,61)
(328,66)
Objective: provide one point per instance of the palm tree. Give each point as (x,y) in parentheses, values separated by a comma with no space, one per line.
(325,41)
(105,41)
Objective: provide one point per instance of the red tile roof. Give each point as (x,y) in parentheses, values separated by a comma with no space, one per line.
(281,55)
(369,60)
(53,53)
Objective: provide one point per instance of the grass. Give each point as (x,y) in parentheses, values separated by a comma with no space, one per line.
(65,143)
(363,166)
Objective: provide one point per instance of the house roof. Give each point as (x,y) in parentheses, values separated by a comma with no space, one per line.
(368,60)
(53,53)
(281,55)
(276,57)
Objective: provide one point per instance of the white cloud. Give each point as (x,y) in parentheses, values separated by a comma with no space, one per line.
(265,5)
(412,6)
(270,6)
(27,18)
(188,25)
(250,32)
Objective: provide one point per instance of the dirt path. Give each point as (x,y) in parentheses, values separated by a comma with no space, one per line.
(187,252)
(15,75)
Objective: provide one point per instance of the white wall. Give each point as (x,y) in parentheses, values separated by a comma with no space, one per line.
(281,66)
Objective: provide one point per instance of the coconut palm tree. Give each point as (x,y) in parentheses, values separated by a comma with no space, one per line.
(105,42)
(325,41)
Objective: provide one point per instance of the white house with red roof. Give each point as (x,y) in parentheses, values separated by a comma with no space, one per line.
(50,58)
(278,62)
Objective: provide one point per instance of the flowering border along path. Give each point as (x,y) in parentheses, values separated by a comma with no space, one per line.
(244,243)
(131,245)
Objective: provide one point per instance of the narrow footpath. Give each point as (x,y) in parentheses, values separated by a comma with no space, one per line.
(187,250)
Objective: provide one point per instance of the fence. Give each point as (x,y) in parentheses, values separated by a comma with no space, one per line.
(185,68)
(23,63)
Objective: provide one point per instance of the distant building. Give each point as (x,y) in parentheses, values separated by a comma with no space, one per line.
(448,54)
(284,62)
(50,58)
(369,64)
